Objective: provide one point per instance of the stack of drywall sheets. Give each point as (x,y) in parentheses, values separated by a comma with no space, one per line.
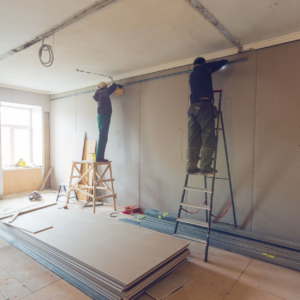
(115,259)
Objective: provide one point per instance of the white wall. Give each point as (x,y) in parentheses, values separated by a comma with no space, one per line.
(41,103)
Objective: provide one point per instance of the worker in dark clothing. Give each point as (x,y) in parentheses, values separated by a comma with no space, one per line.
(201,126)
(104,114)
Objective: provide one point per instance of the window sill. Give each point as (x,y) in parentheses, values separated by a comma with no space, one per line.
(19,168)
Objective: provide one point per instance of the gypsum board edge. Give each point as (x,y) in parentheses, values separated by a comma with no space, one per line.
(179,258)
(62,260)
(73,281)
(100,289)
(60,263)
(63,253)
(186,255)
(145,274)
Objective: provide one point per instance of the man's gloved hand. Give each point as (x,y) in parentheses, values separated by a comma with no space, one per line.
(120,86)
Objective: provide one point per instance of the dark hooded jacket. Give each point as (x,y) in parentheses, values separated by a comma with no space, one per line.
(201,81)
(103,100)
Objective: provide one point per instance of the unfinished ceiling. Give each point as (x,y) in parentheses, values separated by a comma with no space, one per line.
(129,37)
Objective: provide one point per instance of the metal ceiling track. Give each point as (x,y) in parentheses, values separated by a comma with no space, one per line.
(213,20)
(94,7)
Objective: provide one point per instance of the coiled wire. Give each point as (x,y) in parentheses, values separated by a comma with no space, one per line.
(48,48)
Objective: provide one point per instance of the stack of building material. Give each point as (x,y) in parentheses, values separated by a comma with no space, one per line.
(275,251)
(116,260)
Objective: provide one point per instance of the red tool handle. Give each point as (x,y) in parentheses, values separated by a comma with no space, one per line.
(218,91)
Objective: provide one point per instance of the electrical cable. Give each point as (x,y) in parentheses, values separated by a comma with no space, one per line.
(48,48)
(112,81)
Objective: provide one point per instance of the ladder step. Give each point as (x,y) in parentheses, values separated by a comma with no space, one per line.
(189,238)
(195,205)
(189,221)
(196,189)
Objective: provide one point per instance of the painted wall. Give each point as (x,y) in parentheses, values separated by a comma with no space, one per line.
(39,102)
(148,140)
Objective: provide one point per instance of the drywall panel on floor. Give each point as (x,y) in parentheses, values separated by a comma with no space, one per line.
(277,159)
(123,138)
(164,105)
(63,127)
(238,83)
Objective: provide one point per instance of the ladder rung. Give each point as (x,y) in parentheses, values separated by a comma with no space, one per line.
(189,221)
(195,205)
(197,189)
(190,238)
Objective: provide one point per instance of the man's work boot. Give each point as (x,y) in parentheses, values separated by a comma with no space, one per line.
(194,171)
(208,172)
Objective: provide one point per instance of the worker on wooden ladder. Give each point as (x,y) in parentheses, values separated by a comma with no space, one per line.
(201,126)
(104,114)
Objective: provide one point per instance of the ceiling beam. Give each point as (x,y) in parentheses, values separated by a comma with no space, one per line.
(94,7)
(213,20)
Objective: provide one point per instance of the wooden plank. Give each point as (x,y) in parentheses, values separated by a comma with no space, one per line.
(89,149)
(14,217)
(68,160)
(24,180)
(45,178)
(29,210)
(29,224)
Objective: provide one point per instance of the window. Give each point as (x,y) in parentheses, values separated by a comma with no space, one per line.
(16,134)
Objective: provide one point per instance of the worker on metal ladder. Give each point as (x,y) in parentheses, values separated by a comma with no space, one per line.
(202,134)
(202,114)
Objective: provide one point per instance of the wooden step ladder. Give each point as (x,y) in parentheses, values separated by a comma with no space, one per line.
(99,182)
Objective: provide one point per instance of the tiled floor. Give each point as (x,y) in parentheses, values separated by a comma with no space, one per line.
(226,276)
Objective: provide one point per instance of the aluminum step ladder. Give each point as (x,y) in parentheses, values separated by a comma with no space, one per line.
(206,191)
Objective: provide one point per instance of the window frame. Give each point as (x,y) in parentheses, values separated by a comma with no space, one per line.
(11,131)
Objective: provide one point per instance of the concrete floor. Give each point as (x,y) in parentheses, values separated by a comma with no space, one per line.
(227,276)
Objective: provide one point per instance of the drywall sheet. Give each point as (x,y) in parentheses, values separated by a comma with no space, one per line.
(238,82)
(28,223)
(277,154)
(142,249)
(167,286)
(63,125)
(123,138)
(164,105)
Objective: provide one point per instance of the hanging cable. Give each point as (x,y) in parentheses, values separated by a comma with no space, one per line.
(112,81)
(45,48)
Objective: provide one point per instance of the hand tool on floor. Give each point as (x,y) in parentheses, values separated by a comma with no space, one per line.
(64,207)
(4,293)
(34,196)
